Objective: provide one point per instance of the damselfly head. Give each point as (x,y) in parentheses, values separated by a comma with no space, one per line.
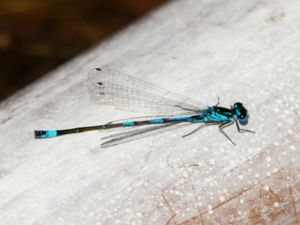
(241,113)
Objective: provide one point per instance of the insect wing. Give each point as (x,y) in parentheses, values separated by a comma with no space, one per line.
(132,135)
(131,94)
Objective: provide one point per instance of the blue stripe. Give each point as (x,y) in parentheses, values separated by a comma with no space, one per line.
(128,123)
(217,117)
(49,134)
(181,118)
(156,121)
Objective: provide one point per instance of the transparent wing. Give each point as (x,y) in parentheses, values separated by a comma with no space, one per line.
(132,135)
(131,94)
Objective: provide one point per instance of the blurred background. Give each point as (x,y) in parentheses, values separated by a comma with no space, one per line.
(38,35)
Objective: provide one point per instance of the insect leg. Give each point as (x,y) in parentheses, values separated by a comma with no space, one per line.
(194,131)
(243,130)
(224,125)
(218,101)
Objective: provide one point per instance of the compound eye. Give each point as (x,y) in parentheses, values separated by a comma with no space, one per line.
(238,105)
(243,120)
(243,114)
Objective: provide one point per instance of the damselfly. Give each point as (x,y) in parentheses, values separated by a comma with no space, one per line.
(131,94)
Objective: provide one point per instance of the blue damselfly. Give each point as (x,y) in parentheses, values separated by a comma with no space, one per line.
(131,94)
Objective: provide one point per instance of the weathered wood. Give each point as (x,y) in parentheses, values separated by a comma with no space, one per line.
(239,50)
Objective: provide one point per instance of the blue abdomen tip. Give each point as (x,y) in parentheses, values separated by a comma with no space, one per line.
(45,133)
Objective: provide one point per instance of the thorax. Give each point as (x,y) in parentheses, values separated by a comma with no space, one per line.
(215,114)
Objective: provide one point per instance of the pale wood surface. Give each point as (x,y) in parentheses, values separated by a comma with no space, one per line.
(246,51)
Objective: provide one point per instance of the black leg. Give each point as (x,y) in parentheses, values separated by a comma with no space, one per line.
(224,125)
(243,130)
(218,101)
(198,128)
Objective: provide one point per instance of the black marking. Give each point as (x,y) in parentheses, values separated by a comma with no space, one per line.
(39,133)
(224,111)
(98,69)
(100,84)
